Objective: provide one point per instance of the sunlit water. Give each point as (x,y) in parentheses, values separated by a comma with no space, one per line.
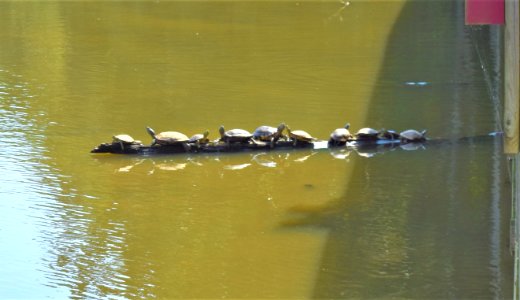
(429,222)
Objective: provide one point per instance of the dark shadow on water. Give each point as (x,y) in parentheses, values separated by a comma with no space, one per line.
(424,224)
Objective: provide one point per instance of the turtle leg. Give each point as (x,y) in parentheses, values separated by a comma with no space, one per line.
(122,147)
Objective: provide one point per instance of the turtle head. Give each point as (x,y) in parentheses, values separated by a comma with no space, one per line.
(347,126)
(150,131)
(221,130)
(205,134)
(281,127)
(423,133)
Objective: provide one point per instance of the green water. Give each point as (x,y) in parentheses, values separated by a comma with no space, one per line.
(429,223)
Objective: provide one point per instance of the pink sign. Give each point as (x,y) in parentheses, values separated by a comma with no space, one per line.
(484,12)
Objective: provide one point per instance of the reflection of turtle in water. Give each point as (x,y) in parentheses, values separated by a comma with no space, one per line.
(367,134)
(234,135)
(268,133)
(169,138)
(340,153)
(299,136)
(125,139)
(411,135)
(199,138)
(340,135)
(264,160)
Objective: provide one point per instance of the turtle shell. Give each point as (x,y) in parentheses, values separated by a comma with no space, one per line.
(367,134)
(390,135)
(234,135)
(266,133)
(238,133)
(412,135)
(340,135)
(367,131)
(125,138)
(200,138)
(263,131)
(170,138)
(300,135)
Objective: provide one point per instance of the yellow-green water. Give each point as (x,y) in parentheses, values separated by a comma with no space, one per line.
(430,223)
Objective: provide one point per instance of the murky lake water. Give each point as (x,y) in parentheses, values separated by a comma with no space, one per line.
(428,223)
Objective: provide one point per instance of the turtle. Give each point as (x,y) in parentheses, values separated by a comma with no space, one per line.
(169,138)
(367,134)
(268,134)
(340,135)
(234,135)
(389,135)
(411,135)
(124,139)
(200,138)
(299,136)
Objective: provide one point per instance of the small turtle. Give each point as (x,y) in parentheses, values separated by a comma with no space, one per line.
(389,135)
(169,138)
(200,138)
(268,133)
(299,136)
(234,135)
(411,135)
(340,135)
(367,134)
(124,139)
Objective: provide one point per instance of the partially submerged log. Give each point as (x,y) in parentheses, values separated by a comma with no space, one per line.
(138,148)
(368,147)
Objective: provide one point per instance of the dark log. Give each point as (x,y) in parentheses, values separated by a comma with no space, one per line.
(118,148)
(368,147)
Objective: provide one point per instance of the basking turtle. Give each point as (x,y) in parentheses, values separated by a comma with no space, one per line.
(411,135)
(340,135)
(367,134)
(234,135)
(169,138)
(268,133)
(389,135)
(299,136)
(124,139)
(200,138)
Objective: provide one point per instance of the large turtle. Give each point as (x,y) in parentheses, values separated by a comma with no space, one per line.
(124,139)
(411,135)
(299,136)
(169,138)
(234,135)
(340,135)
(367,134)
(268,133)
